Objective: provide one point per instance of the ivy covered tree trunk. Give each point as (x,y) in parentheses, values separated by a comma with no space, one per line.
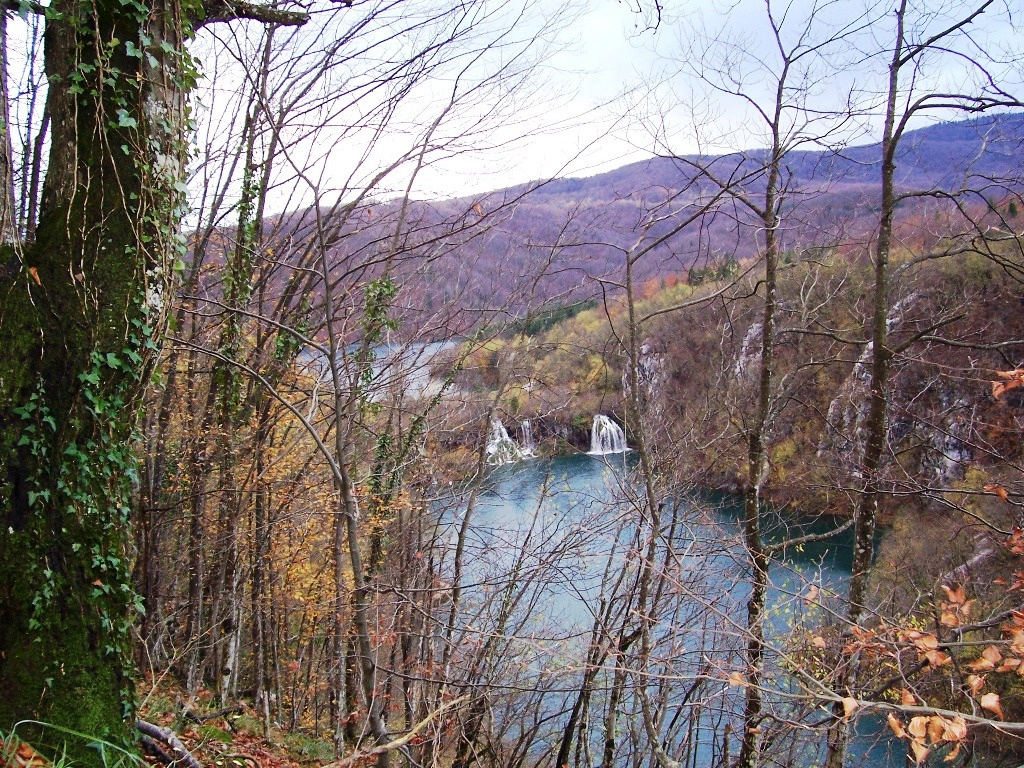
(80,315)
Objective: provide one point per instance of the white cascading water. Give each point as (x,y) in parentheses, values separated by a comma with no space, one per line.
(526,444)
(502,449)
(606,437)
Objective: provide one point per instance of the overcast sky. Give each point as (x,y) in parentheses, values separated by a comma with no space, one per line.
(609,51)
(607,89)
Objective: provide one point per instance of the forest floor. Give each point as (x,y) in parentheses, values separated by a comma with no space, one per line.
(234,737)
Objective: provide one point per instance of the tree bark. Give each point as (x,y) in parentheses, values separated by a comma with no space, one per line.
(79,324)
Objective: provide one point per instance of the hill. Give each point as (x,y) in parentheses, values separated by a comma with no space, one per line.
(518,249)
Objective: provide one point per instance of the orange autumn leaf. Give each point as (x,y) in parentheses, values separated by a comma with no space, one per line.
(938,658)
(975,683)
(998,490)
(990,702)
(907,699)
(920,752)
(925,642)
(22,756)
(1016,542)
(849,706)
(956,729)
(35,275)
(896,726)
(1008,665)
(956,596)
(1009,380)
(918,727)
(949,619)
(989,658)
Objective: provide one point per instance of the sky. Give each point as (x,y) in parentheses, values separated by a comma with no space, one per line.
(633,90)
(582,88)
(562,118)
(586,86)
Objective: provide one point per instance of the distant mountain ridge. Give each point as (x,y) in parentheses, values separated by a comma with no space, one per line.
(516,250)
(935,155)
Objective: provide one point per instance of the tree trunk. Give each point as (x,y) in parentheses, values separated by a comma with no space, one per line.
(876,426)
(78,326)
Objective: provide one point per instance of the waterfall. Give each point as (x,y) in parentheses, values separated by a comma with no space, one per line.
(650,377)
(502,449)
(750,350)
(606,437)
(848,411)
(526,443)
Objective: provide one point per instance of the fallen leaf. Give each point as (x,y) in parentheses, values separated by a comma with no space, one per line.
(992,654)
(989,658)
(1010,381)
(736,678)
(949,619)
(937,658)
(35,275)
(907,699)
(926,642)
(818,642)
(956,729)
(936,727)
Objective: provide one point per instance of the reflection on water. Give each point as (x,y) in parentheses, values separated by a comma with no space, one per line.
(555,550)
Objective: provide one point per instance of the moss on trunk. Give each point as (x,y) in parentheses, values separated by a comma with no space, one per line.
(78,327)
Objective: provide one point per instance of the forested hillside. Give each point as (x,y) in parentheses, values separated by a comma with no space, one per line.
(588,224)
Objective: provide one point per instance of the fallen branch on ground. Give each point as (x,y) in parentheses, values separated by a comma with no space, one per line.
(178,755)
(401,741)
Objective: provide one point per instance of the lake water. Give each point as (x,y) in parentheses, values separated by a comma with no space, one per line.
(553,549)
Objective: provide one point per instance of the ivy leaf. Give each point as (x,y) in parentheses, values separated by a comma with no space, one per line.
(124,120)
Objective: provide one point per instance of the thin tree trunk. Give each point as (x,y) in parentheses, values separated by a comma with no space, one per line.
(876,426)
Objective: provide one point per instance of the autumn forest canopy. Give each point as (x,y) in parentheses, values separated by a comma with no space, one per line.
(713,459)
